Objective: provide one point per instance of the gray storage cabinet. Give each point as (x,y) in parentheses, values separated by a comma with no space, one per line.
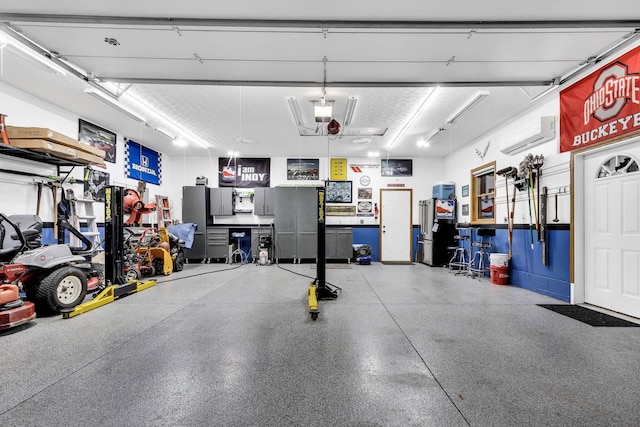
(195,209)
(218,242)
(295,223)
(339,243)
(221,201)
(264,201)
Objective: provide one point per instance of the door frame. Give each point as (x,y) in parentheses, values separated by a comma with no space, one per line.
(577,226)
(410,190)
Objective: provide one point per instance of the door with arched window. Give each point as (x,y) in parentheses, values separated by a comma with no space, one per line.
(612,229)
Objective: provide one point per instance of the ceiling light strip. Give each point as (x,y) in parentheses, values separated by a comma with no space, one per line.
(468,106)
(295,111)
(351,108)
(408,123)
(114,104)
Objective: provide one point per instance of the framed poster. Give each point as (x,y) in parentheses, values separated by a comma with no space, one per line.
(94,183)
(142,163)
(244,172)
(465,210)
(99,138)
(396,167)
(465,191)
(303,169)
(365,193)
(338,192)
(338,169)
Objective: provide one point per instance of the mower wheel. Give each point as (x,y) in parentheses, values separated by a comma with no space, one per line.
(132,274)
(63,288)
(178,263)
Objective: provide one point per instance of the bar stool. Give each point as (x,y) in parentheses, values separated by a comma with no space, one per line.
(459,262)
(243,256)
(479,263)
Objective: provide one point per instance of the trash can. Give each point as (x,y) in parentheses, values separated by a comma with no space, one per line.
(499,268)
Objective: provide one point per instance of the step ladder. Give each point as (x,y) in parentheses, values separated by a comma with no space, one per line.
(82,211)
(163,210)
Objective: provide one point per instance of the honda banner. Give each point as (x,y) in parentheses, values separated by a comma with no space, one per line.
(602,106)
(244,173)
(142,163)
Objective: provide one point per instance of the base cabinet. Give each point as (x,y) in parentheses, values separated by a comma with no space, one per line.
(339,243)
(218,243)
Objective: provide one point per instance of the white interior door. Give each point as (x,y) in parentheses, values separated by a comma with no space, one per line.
(395,225)
(612,229)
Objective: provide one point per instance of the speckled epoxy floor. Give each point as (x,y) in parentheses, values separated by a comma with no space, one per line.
(401,346)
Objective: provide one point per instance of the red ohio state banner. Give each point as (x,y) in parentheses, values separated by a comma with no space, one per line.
(602,106)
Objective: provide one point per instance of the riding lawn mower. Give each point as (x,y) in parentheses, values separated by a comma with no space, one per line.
(52,277)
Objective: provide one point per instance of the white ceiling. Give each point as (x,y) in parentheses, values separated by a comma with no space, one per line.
(222,72)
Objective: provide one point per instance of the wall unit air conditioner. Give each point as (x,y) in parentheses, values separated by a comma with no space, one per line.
(545,132)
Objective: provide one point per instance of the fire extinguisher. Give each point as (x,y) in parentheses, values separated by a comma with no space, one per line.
(375,211)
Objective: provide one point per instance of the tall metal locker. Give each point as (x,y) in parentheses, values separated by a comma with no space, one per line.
(195,209)
(307,223)
(295,222)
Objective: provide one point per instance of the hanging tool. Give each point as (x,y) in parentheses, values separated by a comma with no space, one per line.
(542,233)
(538,161)
(3,130)
(556,200)
(530,217)
(532,184)
(509,172)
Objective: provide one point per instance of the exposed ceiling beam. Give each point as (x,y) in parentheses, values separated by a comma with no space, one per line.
(318,24)
(296,83)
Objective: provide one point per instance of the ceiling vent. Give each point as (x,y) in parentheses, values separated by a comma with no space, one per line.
(542,132)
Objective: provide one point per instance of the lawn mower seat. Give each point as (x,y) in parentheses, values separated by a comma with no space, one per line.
(30,227)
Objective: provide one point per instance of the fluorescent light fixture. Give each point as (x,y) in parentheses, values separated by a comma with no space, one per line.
(5,39)
(426,141)
(233,154)
(295,111)
(373,154)
(164,132)
(323,111)
(180,142)
(477,98)
(113,104)
(351,108)
(429,96)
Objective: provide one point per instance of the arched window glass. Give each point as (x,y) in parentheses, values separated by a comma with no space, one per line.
(618,165)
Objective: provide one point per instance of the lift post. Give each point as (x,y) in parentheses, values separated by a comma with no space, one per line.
(116,284)
(318,289)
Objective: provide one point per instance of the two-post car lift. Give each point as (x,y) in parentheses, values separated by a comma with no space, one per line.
(116,286)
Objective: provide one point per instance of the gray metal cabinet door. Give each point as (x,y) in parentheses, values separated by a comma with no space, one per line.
(264,201)
(344,243)
(307,222)
(221,201)
(217,242)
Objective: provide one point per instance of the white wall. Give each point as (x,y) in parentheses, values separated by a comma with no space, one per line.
(426,172)
(555,172)
(18,194)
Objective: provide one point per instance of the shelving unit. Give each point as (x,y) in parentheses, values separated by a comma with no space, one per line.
(163,209)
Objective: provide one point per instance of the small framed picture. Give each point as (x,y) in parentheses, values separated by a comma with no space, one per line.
(465,209)
(465,191)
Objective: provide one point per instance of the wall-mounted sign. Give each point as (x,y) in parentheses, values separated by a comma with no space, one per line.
(602,106)
(244,172)
(142,163)
(338,169)
(95,182)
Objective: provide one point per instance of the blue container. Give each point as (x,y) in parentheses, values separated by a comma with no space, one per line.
(444,191)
